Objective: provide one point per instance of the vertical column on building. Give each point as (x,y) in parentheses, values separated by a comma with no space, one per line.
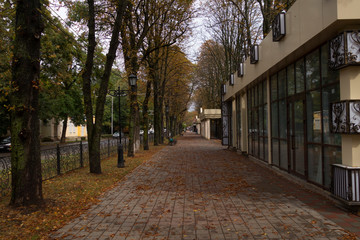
(349,90)
(233,123)
(207,127)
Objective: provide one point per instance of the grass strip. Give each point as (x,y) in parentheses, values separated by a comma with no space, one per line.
(66,197)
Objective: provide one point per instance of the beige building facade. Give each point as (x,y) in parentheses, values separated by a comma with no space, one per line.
(293,103)
(210,123)
(53,130)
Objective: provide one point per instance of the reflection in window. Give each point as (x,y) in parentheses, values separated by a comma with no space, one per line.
(282,83)
(300,76)
(315,164)
(313,109)
(328,75)
(330,94)
(312,70)
(290,80)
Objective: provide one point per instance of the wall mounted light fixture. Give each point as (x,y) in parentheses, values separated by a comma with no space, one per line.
(279,27)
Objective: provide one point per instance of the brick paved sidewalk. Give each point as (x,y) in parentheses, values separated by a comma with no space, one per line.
(198,190)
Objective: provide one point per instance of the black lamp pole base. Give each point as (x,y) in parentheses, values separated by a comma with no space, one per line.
(121,162)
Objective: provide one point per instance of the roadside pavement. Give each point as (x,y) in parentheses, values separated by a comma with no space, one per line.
(199,190)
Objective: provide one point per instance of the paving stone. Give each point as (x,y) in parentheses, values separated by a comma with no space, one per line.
(198,189)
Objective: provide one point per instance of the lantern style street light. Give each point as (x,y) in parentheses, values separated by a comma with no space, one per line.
(118,93)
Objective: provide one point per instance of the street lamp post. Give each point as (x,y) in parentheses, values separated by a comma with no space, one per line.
(118,93)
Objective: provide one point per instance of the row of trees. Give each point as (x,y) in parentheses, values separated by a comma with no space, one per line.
(70,77)
(235,25)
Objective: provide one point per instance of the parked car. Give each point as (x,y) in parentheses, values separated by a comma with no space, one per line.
(116,135)
(5,144)
(151,131)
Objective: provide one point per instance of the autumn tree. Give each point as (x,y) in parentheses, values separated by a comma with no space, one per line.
(25,133)
(94,126)
(269,9)
(209,74)
(234,26)
(61,61)
(179,88)
(7,14)
(173,19)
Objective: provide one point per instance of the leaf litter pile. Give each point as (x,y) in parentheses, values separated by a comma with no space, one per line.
(66,197)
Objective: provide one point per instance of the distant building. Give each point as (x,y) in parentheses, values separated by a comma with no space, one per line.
(53,130)
(210,123)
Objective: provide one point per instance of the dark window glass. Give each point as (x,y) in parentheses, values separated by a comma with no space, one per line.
(300,76)
(275,152)
(284,154)
(274,120)
(265,92)
(290,80)
(332,155)
(330,94)
(282,119)
(282,83)
(256,93)
(312,70)
(274,87)
(315,163)
(313,116)
(265,120)
(328,75)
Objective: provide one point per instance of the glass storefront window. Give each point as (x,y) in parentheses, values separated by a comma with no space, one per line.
(283,154)
(275,152)
(315,163)
(290,80)
(330,94)
(300,76)
(313,70)
(332,155)
(265,91)
(274,87)
(274,120)
(314,116)
(301,140)
(328,75)
(282,83)
(257,119)
(283,119)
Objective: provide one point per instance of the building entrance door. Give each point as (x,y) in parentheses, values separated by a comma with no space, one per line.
(296,135)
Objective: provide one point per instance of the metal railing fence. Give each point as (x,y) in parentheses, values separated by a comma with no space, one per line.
(61,159)
(58,160)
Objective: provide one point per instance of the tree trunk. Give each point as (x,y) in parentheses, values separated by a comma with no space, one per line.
(94,130)
(63,133)
(146,115)
(157,125)
(25,130)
